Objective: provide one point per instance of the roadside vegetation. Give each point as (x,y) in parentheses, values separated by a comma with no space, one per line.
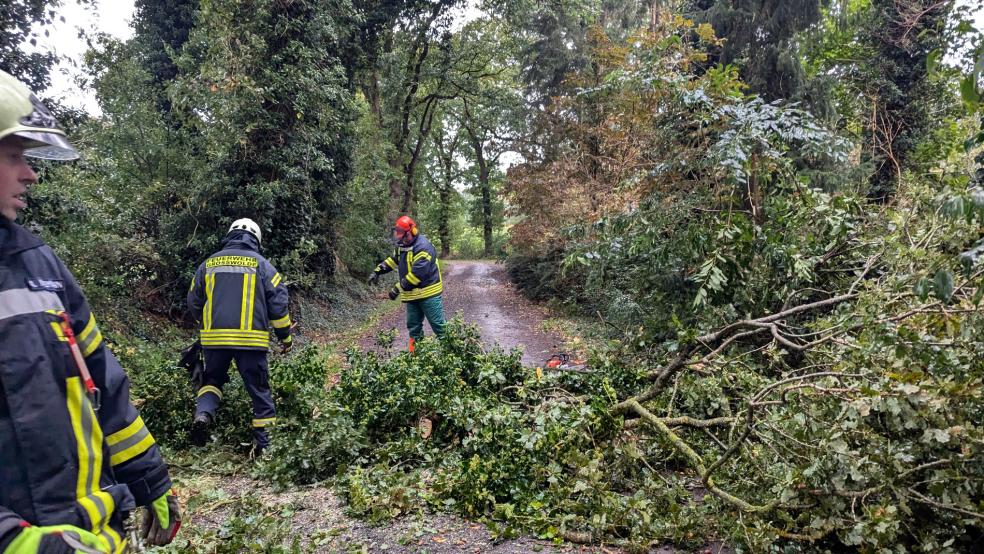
(759,223)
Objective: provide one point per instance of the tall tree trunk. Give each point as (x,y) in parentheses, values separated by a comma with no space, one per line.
(374,97)
(444,220)
(903,33)
(483,179)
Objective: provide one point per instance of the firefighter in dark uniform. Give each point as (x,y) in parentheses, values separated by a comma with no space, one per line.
(238,296)
(75,457)
(420,285)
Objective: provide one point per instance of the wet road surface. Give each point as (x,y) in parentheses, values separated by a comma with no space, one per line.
(481,293)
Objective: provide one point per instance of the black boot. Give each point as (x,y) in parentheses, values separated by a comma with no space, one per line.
(200,429)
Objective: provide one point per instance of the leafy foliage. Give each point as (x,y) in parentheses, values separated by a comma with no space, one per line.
(21,21)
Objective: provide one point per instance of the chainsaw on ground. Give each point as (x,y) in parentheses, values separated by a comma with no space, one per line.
(562,362)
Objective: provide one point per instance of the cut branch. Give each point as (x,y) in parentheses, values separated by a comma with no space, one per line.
(695,461)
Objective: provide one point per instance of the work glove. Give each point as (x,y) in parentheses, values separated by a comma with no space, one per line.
(56,539)
(287,344)
(162,520)
(374,278)
(394,293)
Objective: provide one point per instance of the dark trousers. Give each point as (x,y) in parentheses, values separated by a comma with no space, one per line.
(252,366)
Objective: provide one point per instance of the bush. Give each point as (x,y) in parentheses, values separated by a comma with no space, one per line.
(166,397)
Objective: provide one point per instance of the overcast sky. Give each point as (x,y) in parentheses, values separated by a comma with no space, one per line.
(114,16)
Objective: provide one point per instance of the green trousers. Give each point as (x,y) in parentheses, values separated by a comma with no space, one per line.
(432,308)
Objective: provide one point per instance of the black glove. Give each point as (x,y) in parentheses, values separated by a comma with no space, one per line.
(373,278)
(162,520)
(394,293)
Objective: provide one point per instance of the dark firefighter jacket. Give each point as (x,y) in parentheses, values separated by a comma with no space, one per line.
(65,457)
(237,295)
(420,274)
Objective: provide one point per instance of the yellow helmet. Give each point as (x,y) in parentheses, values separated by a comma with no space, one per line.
(23,115)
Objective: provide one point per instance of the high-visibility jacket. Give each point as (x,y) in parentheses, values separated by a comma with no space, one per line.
(238,295)
(418,268)
(67,457)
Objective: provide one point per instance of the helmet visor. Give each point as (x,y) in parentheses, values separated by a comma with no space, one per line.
(399,236)
(47,146)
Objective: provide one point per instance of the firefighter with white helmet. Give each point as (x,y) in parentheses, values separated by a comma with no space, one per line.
(238,297)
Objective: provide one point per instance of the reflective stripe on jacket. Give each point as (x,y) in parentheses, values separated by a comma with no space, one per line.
(63,459)
(418,268)
(238,296)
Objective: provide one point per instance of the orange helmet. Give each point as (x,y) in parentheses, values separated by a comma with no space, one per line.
(405,230)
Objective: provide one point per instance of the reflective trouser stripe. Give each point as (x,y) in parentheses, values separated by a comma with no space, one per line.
(264,422)
(210,389)
(97,504)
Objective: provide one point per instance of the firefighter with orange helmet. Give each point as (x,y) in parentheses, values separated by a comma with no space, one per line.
(420,285)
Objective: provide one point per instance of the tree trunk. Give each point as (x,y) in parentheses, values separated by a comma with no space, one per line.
(483,179)
(374,97)
(444,220)
(903,36)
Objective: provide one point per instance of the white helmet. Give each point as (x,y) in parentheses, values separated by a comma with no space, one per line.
(248,225)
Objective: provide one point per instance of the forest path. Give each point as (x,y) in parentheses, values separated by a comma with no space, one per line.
(481,293)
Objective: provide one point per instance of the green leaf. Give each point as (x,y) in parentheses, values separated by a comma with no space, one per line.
(943,285)
(969,93)
(933,60)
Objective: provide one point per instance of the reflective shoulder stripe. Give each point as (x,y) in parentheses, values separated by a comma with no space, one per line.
(15,302)
(132,441)
(390,262)
(422,255)
(282,322)
(276,280)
